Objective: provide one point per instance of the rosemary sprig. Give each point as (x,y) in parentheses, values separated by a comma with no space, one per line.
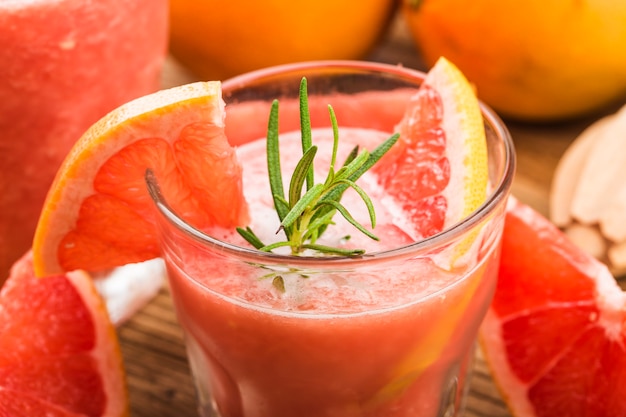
(305,217)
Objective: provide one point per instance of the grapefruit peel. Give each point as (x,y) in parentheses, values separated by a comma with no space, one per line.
(463,124)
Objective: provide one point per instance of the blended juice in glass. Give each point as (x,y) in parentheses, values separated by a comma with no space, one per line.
(64,65)
(387,333)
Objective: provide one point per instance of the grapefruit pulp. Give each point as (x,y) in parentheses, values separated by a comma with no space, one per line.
(554,336)
(438,168)
(59,354)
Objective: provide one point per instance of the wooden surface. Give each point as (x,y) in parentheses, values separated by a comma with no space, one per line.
(159,381)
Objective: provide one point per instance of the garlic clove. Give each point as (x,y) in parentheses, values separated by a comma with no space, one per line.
(613,218)
(568,172)
(617,258)
(602,173)
(588,238)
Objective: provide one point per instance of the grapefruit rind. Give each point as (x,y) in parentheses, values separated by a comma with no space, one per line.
(163,114)
(106,352)
(466,151)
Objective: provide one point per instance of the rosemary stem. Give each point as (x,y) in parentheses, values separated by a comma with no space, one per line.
(305,217)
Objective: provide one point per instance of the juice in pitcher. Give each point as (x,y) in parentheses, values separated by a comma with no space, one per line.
(65,64)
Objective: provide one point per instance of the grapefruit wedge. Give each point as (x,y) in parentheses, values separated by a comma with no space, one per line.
(438,169)
(554,336)
(438,173)
(98,214)
(59,354)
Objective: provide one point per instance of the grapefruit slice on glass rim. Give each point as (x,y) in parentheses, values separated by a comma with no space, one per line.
(98,214)
(438,169)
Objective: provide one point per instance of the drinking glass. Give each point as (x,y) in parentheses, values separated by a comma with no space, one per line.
(389,333)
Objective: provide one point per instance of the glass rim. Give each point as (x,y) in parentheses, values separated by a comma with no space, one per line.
(495,198)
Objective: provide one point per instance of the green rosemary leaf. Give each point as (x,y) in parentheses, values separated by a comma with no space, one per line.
(336,188)
(334,251)
(319,222)
(305,128)
(299,175)
(344,212)
(283,205)
(268,275)
(335,126)
(366,199)
(276,245)
(348,170)
(353,154)
(330,178)
(273,160)
(351,157)
(249,236)
(279,283)
(308,199)
(375,156)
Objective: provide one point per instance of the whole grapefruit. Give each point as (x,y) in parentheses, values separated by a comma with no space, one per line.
(219,39)
(531,60)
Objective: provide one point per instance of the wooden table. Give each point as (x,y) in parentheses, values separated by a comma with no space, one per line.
(159,381)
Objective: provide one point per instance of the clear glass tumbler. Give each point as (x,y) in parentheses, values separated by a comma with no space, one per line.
(389,333)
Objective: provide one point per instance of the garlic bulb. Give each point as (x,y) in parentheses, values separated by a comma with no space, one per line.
(588,191)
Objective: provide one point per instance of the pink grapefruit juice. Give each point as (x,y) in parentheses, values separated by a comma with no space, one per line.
(65,64)
(389,333)
(385,338)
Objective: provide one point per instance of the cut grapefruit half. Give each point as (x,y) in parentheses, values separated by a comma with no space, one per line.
(59,353)
(438,169)
(98,213)
(554,336)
